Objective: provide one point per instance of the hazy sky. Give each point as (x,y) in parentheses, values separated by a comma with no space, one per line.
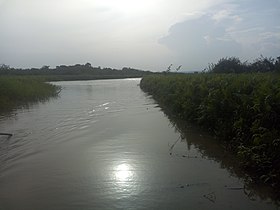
(145,34)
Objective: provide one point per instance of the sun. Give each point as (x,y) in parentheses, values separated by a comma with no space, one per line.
(129,7)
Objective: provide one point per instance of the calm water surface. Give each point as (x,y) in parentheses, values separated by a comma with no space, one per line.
(107,145)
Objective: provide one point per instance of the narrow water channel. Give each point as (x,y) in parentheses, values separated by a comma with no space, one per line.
(107,145)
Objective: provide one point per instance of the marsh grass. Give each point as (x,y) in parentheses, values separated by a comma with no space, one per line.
(242,110)
(16,91)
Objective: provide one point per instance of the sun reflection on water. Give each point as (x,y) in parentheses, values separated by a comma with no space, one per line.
(125,183)
(123,172)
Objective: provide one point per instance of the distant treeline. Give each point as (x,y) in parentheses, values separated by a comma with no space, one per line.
(78,69)
(234,65)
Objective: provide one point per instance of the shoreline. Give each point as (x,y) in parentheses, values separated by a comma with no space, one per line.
(222,105)
(20,91)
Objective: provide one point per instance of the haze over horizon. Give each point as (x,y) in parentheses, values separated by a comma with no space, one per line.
(148,35)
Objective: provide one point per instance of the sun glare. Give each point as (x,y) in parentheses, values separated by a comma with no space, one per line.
(123,172)
(129,7)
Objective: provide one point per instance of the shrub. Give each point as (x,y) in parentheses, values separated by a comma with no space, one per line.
(242,110)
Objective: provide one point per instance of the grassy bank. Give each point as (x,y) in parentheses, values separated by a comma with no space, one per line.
(243,111)
(17,91)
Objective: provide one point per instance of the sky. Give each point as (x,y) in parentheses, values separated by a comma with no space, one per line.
(143,34)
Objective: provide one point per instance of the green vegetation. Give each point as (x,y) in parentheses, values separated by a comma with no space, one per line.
(22,86)
(242,110)
(19,91)
(234,65)
(75,72)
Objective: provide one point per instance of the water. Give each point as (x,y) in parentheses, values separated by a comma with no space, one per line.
(107,145)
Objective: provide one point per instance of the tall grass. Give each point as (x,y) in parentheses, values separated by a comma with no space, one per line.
(17,91)
(241,110)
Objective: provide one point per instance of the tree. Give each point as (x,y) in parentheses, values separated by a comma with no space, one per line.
(277,64)
(88,65)
(4,67)
(262,64)
(45,67)
(227,65)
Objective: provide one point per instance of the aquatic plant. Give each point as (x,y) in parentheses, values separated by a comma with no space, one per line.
(242,110)
(17,91)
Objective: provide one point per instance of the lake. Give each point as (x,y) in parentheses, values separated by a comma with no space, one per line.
(105,144)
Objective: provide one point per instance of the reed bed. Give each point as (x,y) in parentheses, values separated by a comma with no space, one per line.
(16,91)
(241,110)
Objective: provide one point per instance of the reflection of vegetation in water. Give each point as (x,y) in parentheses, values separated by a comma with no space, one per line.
(242,110)
(211,148)
(18,91)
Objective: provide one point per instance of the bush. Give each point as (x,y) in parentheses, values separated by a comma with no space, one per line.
(17,91)
(234,65)
(242,110)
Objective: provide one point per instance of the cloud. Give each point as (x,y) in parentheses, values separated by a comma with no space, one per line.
(62,28)
(145,34)
(224,15)
(197,42)
(226,30)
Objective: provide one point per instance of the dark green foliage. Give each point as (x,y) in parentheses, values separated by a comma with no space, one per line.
(243,110)
(263,64)
(74,72)
(277,65)
(17,91)
(228,65)
(234,65)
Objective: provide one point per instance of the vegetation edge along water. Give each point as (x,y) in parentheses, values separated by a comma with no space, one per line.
(241,110)
(17,91)
(23,86)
